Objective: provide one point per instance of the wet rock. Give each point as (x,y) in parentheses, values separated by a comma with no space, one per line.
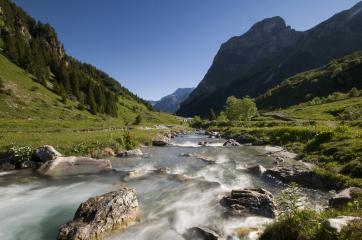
(336,224)
(63,166)
(245,138)
(303,176)
(6,166)
(131,153)
(160,141)
(213,134)
(248,233)
(231,143)
(257,170)
(108,152)
(345,196)
(202,143)
(250,202)
(47,153)
(29,164)
(201,233)
(101,214)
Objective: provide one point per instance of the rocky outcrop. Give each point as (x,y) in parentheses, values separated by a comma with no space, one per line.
(202,233)
(345,196)
(303,176)
(47,153)
(338,223)
(131,153)
(250,202)
(62,166)
(160,141)
(102,214)
(231,143)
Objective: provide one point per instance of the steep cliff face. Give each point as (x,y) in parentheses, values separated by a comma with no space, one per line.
(270,52)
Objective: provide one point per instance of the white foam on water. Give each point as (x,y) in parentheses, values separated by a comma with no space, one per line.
(6,173)
(186,144)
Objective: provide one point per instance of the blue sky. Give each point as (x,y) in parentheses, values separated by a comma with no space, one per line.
(155,46)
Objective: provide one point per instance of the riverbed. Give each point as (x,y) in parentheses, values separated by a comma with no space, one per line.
(177,189)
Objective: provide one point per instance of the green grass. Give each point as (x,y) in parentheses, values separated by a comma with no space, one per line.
(31,114)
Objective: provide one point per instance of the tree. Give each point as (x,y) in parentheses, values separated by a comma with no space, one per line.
(212,115)
(240,109)
(138,119)
(196,121)
(222,117)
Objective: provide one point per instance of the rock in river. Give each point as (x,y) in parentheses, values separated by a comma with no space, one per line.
(102,214)
(131,153)
(160,141)
(250,202)
(201,233)
(257,170)
(338,223)
(345,196)
(231,143)
(62,166)
(47,153)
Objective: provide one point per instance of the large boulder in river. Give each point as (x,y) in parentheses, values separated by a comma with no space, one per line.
(257,170)
(131,153)
(250,202)
(160,141)
(62,166)
(345,196)
(47,153)
(102,214)
(303,176)
(231,143)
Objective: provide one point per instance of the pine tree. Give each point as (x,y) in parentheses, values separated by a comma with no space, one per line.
(91,99)
(212,115)
(10,48)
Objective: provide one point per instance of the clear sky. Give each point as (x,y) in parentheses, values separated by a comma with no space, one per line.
(155,46)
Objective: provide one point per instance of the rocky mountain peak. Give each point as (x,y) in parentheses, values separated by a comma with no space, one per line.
(269,25)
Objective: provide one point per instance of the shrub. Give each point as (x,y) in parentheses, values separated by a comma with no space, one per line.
(20,154)
(196,122)
(138,119)
(1,83)
(127,141)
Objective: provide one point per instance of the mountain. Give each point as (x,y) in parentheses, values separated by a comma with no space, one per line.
(340,75)
(35,47)
(171,103)
(270,52)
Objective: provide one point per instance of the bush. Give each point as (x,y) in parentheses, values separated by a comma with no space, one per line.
(127,141)
(196,122)
(20,154)
(138,119)
(1,83)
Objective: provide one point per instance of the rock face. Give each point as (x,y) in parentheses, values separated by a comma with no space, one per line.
(267,54)
(47,153)
(336,224)
(160,141)
(250,202)
(201,233)
(231,143)
(302,176)
(345,196)
(62,166)
(171,103)
(101,214)
(131,153)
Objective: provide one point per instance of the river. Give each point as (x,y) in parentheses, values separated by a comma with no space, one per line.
(184,194)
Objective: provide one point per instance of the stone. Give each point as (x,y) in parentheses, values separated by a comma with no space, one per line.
(108,152)
(248,233)
(345,196)
(303,176)
(131,153)
(257,170)
(250,202)
(201,233)
(6,166)
(245,138)
(102,214)
(336,224)
(28,164)
(63,166)
(231,143)
(160,141)
(47,153)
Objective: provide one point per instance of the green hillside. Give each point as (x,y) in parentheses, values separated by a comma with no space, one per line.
(339,75)
(31,114)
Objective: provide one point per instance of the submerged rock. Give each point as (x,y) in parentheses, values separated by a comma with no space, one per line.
(201,233)
(101,214)
(131,153)
(250,202)
(63,166)
(257,170)
(345,196)
(338,223)
(231,143)
(160,141)
(303,176)
(47,153)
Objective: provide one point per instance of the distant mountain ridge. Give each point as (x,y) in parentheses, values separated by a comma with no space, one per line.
(269,53)
(172,102)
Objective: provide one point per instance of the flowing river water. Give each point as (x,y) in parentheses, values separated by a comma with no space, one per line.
(175,192)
